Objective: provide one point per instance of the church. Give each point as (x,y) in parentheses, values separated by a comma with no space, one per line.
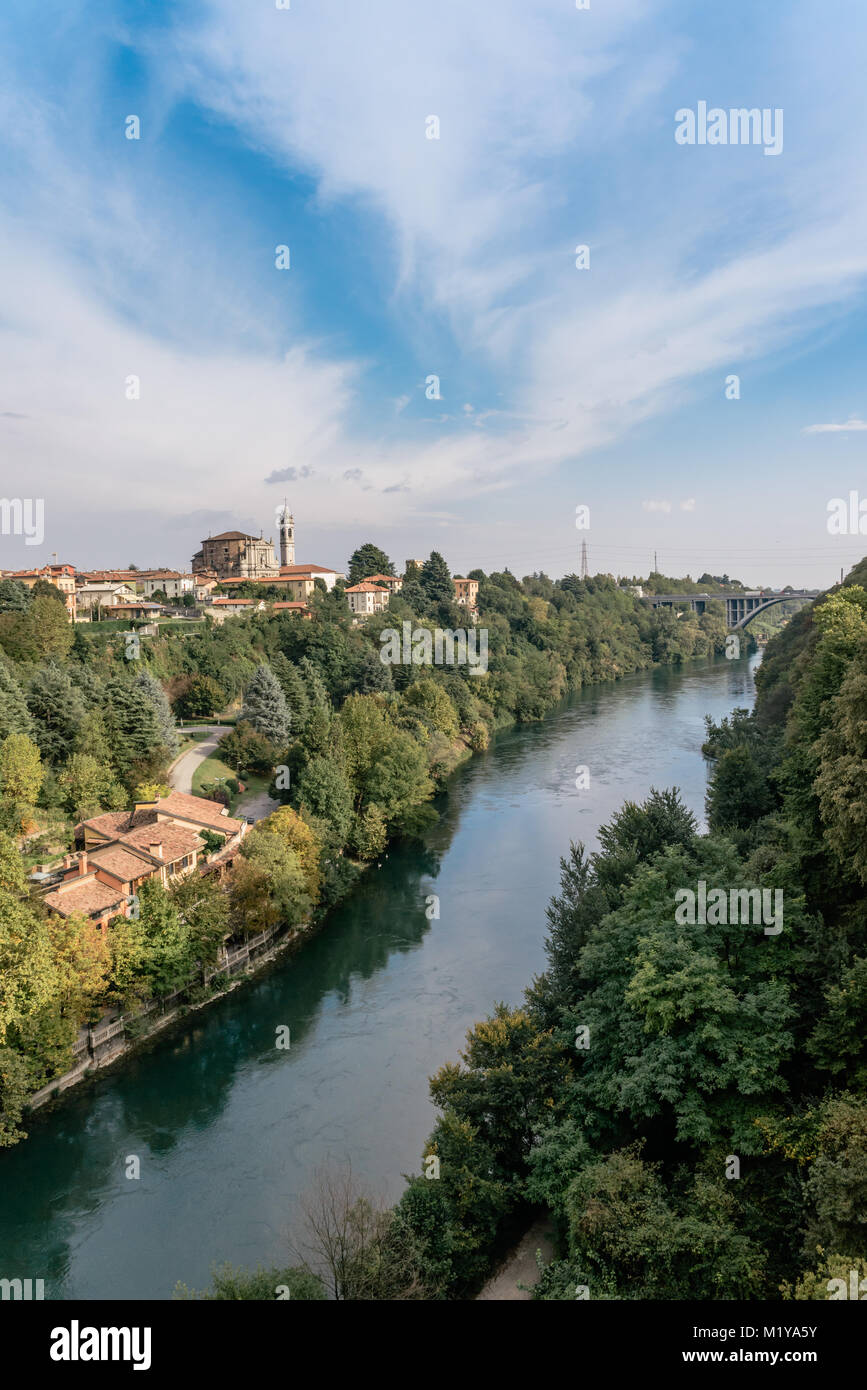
(235,555)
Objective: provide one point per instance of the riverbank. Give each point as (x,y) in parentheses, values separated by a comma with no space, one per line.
(114,1040)
(229,1129)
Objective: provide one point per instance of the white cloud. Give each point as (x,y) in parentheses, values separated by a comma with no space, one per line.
(853,423)
(651,506)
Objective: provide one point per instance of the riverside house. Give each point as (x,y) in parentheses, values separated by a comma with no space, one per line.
(122,849)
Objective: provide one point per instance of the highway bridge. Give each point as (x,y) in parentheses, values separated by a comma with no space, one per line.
(742,605)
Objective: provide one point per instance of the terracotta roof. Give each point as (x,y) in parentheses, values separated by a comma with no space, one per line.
(366,588)
(176,840)
(232,602)
(234,536)
(199,809)
(121,862)
(110,824)
(87,896)
(298,571)
(381,578)
(299,605)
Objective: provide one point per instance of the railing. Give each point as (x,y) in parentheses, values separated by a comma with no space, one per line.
(90,1039)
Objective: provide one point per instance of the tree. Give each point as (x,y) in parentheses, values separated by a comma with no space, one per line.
(135,731)
(368,559)
(169,956)
(354,1244)
(57,710)
(203,907)
(288,826)
(14,715)
(277,884)
(246,750)
(428,698)
(436,581)
(158,698)
(14,596)
(89,785)
(83,958)
(323,791)
(265,706)
(292,685)
(202,697)
(41,632)
(840,783)
(21,771)
(317,694)
(738,793)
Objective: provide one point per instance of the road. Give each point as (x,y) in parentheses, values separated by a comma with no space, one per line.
(181,773)
(182,770)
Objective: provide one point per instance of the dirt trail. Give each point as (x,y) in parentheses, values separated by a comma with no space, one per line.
(520,1266)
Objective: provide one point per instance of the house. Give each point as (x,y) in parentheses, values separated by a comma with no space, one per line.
(103,594)
(121,850)
(61,576)
(392,582)
(300,608)
(131,577)
(308,573)
(366,598)
(137,608)
(170,582)
(203,586)
(222,608)
(466,592)
(196,812)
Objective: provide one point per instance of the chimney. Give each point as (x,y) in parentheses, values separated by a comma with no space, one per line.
(67,861)
(82,862)
(157,851)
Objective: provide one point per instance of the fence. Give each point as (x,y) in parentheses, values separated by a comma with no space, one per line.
(88,1048)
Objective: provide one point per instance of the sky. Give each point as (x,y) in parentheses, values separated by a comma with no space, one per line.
(161,378)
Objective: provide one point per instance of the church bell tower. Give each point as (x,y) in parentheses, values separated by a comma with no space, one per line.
(287,536)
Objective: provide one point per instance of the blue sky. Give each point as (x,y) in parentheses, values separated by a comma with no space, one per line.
(455,257)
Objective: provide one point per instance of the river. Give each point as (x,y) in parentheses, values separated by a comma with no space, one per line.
(229,1129)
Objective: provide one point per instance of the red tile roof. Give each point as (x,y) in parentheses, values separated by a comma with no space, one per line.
(87,896)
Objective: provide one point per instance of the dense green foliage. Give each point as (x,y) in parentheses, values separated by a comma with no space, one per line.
(356,749)
(688,1102)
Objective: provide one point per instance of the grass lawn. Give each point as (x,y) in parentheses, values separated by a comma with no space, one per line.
(209,771)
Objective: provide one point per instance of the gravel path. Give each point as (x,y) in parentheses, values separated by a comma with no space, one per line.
(520,1266)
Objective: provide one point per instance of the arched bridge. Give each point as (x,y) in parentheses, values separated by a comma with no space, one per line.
(742,605)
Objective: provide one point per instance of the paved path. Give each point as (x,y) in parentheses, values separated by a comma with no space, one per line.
(520,1266)
(258,806)
(181,771)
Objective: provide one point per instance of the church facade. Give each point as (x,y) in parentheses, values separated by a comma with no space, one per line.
(236,555)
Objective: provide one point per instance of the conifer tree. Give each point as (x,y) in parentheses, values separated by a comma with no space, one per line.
(14,715)
(293,689)
(158,698)
(265,706)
